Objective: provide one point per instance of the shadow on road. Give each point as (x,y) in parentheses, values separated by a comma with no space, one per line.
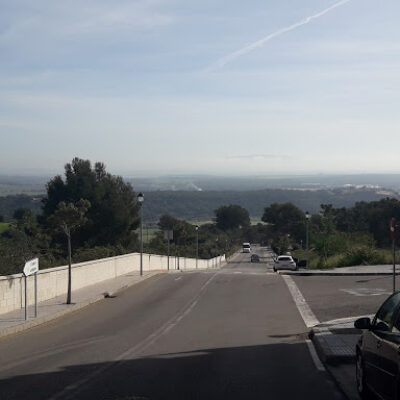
(274,371)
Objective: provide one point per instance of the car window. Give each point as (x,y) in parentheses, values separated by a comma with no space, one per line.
(384,318)
(284,258)
(396,325)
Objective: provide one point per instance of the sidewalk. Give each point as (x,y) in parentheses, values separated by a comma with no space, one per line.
(48,310)
(335,342)
(362,270)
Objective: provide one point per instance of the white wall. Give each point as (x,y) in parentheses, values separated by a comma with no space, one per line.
(52,282)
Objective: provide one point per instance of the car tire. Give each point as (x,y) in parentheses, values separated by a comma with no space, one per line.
(362,389)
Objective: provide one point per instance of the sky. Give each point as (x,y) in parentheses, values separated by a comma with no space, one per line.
(210,86)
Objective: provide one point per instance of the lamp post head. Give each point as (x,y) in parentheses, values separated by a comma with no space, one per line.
(140,198)
(196,227)
(308,215)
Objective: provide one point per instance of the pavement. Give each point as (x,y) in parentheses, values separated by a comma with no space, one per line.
(230,333)
(14,321)
(337,351)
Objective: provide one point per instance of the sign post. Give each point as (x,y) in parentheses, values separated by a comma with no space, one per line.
(31,268)
(26,297)
(168,235)
(393,237)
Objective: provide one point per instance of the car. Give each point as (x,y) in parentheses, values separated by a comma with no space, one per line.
(377,352)
(285,262)
(246,248)
(254,258)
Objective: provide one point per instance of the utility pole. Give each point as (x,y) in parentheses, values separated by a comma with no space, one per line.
(140,199)
(197,245)
(393,237)
(308,216)
(68,232)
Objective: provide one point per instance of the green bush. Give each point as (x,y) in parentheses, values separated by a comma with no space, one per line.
(95,253)
(362,256)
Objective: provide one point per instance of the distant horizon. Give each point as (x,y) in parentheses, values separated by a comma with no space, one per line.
(150,175)
(269,88)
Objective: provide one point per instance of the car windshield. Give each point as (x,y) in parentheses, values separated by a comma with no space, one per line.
(284,258)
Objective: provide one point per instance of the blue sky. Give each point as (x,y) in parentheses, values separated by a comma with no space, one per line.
(144,86)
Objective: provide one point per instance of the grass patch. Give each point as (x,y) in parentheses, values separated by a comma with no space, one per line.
(355,256)
(4,226)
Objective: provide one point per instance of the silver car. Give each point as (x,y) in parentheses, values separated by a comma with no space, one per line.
(285,262)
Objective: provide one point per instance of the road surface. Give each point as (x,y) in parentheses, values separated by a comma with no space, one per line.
(230,334)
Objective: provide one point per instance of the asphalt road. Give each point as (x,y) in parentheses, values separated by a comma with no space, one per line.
(337,297)
(229,334)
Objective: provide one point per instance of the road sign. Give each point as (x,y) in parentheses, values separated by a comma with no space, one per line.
(31,267)
(169,235)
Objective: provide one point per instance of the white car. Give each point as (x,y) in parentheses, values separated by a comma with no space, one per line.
(285,262)
(246,248)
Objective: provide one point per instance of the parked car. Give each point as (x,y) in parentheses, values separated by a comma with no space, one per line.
(254,258)
(378,352)
(285,262)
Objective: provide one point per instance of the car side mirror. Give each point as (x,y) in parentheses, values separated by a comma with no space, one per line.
(363,323)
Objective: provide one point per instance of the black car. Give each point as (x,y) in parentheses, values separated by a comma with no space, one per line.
(254,258)
(378,352)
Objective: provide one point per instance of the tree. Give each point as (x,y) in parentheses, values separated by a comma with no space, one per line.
(68,217)
(22,213)
(231,217)
(113,215)
(285,219)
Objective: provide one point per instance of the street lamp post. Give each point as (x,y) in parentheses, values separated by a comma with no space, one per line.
(308,216)
(393,237)
(197,244)
(140,200)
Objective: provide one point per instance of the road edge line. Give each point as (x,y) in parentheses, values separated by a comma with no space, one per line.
(309,318)
(314,355)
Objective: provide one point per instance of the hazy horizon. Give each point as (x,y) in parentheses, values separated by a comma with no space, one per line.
(269,88)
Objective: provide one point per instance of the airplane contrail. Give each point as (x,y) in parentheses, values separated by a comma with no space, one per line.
(259,43)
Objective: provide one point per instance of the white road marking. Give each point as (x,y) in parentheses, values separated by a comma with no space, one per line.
(362,292)
(347,322)
(69,391)
(305,311)
(179,277)
(317,362)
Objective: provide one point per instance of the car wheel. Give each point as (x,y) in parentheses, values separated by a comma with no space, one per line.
(362,389)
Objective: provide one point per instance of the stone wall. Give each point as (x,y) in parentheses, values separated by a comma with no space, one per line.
(52,282)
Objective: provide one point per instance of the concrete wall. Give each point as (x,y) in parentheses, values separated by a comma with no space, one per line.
(52,282)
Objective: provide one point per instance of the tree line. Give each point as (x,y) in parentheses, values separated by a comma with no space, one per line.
(97,214)
(338,236)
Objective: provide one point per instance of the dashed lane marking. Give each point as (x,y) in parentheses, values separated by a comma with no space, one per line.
(69,392)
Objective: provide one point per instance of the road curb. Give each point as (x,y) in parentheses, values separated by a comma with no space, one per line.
(72,308)
(326,353)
